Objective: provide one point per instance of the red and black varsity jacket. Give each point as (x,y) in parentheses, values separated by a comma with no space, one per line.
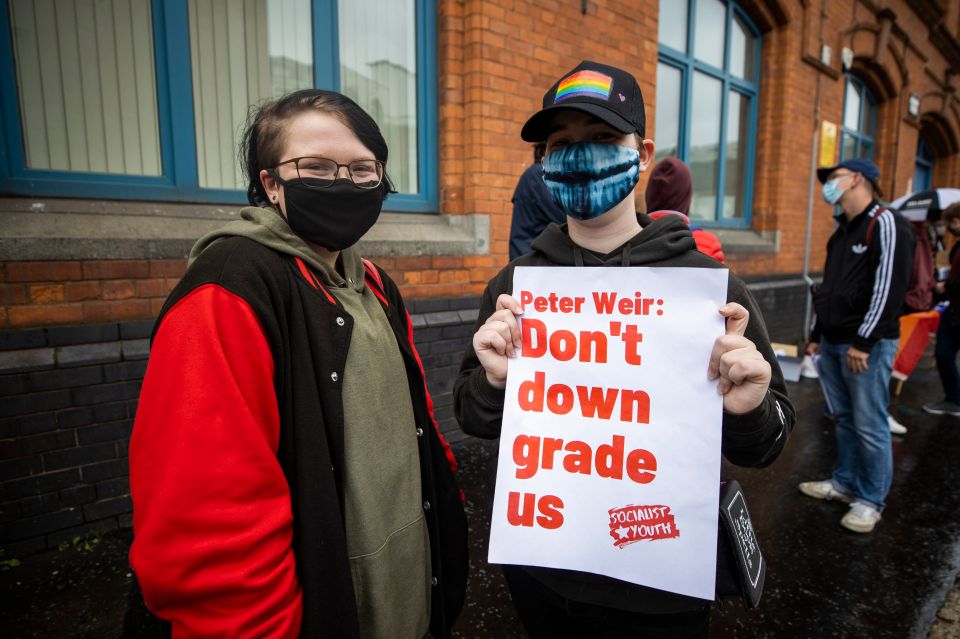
(237,454)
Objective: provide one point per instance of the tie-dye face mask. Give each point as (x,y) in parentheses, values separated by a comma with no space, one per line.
(587,179)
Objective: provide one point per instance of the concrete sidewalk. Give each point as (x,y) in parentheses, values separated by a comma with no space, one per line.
(822,581)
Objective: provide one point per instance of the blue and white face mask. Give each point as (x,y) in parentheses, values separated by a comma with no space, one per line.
(587,179)
(832,191)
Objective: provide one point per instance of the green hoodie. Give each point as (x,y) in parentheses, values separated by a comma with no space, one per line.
(387,538)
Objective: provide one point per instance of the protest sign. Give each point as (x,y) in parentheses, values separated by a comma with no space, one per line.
(610,449)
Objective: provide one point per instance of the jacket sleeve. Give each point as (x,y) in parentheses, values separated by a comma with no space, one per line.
(478,406)
(757,438)
(952,285)
(890,280)
(533,211)
(212,516)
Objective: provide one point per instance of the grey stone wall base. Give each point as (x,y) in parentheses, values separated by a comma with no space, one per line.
(51,229)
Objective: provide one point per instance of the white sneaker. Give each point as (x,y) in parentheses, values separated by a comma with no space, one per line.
(808,369)
(896,427)
(823,490)
(860,518)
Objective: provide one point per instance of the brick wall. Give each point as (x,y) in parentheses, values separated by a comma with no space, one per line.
(51,293)
(68,399)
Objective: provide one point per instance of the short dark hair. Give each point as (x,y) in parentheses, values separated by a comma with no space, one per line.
(952,212)
(265,133)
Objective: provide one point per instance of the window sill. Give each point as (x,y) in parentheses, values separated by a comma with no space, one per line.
(70,229)
(748,241)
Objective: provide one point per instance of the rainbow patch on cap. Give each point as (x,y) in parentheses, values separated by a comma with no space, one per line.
(587,84)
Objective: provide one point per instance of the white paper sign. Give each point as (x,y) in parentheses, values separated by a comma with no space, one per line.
(610,449)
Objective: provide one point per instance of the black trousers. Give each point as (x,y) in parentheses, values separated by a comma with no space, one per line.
(546,614)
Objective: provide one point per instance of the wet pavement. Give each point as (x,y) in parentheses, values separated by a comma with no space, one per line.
(822,580)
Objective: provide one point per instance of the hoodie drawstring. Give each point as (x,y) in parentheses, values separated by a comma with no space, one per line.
(577,255)
(625,255)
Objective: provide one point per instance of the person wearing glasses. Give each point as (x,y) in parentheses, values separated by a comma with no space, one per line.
(287,475)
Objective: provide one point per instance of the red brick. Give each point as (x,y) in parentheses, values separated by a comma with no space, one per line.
(117,289)
(12,294)
(43,271)
(150,288)
(45,293)
(115,269)
(168,268)
(116,311)
(47,315)
(81,291)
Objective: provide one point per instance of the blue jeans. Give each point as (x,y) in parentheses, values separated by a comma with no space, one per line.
(948,342)
(859,401)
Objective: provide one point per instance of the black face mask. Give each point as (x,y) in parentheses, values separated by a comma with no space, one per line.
(334,217)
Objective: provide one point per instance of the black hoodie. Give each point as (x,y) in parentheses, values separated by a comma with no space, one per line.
(754,439)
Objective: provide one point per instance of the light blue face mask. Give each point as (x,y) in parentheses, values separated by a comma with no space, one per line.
(831,192)
(587,179)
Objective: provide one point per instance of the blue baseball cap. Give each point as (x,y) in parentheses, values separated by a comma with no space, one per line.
(864,167)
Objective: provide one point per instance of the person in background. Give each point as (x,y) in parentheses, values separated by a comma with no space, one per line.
(533,208)
(596,150)
(287,475)
(670,190)
(948,333)
(858,304)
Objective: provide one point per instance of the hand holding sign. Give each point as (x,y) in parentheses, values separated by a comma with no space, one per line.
(498,339)
(743,373)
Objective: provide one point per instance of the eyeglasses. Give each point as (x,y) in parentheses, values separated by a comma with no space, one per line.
(320,173)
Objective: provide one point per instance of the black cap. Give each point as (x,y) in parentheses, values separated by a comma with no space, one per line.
(606,92)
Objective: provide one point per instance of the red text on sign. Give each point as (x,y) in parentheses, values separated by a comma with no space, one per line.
(531,453)
(551,302)
(563,345)
(550,508)
(594,401)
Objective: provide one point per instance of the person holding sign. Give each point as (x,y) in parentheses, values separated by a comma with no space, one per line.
(593,124)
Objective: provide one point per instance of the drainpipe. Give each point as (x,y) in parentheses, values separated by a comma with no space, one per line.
(808,281)
(808,298)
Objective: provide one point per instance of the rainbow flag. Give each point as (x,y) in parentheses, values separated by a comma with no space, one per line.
(585,84)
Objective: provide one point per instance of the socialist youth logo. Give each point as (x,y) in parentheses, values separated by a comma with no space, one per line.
(630,524)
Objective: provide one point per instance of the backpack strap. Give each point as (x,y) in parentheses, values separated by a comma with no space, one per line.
(874,214)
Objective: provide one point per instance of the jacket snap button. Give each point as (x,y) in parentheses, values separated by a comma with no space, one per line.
(434,581)
(334,376)
(426,505)
(340,321)
(419,432)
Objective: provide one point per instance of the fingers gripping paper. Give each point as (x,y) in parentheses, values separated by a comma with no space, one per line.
(610,450)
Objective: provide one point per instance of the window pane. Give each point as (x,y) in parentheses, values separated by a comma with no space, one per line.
(241,53)
(673,24)
(668,110)
(868,122)
(705,145)
(708,32)
(742,46)
(378,69)
(87,85)
(734,188)
(851,108)
(848,149)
